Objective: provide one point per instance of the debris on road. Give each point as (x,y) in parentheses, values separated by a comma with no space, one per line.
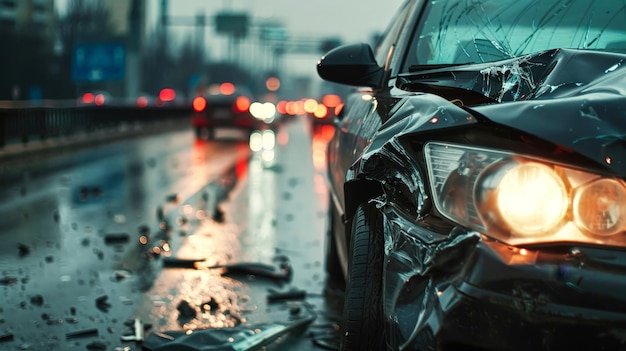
(8,280)
(282,273)
(36,300)
(6,337)
(23,249)
(186,312)
(242,338)
(172,262)
(293,294)
(138,332)
(173,198)
(102,303)
(116,238)
(82,333)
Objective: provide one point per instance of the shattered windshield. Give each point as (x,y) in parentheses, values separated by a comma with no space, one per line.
(478,31)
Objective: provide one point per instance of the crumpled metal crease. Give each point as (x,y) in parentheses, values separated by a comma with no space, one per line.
(385,158)
(412,253)
(574,98)
(434,263)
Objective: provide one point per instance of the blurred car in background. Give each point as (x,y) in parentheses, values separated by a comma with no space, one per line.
(223,105)
(477,178)
(326,109)
(96,98)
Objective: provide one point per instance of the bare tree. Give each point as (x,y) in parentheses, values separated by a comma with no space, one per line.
(85,20)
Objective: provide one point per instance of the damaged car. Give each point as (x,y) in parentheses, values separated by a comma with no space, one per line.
(477,178)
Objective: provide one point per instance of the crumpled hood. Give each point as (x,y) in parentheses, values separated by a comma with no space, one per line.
(574,98)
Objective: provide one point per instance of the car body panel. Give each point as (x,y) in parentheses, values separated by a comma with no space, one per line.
(550,89)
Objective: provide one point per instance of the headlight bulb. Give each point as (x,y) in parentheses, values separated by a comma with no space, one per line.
(529,198)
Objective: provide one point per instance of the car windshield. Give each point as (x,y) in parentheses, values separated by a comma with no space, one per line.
(478,31)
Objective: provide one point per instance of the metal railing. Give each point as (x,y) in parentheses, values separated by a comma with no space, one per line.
(24,122)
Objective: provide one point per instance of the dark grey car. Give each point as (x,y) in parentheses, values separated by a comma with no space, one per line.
(477,178)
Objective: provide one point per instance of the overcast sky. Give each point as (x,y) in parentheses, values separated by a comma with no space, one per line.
(350,20)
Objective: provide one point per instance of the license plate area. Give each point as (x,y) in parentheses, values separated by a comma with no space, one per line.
(222,113)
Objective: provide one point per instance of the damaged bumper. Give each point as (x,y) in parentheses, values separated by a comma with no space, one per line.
(464,290)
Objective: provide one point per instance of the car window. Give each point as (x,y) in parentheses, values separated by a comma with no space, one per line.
(459,32)
(391,34)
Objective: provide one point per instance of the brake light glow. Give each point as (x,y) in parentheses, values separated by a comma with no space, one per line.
(167,94)
(331,100)
(88,98)
(142,101)
(227,88)
(321,111)
(281,107)
(199,104)
(99,99)
(242,104)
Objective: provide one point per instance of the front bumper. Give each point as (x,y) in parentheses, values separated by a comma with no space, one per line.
(465,291)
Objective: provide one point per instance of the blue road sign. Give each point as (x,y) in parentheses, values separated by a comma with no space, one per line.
(98,62)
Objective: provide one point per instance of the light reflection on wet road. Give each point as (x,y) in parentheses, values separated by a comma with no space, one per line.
(71,225)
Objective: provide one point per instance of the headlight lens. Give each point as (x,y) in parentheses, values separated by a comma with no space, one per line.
(599,207)
(530,198)
(523,200)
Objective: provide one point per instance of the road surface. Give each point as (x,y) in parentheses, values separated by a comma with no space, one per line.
(220,241)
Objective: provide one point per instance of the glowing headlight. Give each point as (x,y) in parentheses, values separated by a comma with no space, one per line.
(522,200)
(527,198)
(599,207)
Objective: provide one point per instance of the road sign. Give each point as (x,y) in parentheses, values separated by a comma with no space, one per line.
(98,62)
(235,24)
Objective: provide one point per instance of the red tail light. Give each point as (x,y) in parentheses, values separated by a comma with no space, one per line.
(199,104)
(242,104)
(167,94)
(99,99)
(88,98)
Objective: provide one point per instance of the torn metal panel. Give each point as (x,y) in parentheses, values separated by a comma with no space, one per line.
(417,262)
(585,92)
(242,338)
(582,90)
(388,161)
(434,285)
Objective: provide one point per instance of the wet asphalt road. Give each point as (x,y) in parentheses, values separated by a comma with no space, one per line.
(177,234)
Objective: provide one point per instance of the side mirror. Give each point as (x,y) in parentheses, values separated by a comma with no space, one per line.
(352,64)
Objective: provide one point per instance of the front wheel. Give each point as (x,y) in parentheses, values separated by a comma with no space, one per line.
(363,322)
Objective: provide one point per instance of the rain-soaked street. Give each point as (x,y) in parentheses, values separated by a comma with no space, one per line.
(192,242)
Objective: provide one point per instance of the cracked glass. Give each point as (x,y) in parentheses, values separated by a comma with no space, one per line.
(481,31)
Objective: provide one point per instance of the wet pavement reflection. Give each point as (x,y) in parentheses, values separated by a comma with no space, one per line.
(164,241)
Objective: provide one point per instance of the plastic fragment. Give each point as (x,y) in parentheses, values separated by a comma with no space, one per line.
(82,333)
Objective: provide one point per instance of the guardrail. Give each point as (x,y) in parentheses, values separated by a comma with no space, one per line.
(23,122)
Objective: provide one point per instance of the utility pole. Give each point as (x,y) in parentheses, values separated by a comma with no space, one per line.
(133,40)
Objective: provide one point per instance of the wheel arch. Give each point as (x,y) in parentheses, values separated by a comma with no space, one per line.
(358,191)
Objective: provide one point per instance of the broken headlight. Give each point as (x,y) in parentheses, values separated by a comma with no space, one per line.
(524,200)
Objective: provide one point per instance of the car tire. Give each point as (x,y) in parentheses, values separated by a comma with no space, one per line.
(363,323)
(333,264)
